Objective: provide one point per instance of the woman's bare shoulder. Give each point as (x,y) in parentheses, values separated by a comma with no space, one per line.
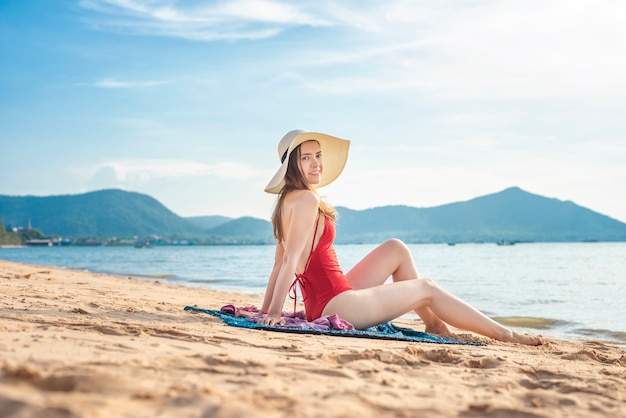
(302,198)
(302,204)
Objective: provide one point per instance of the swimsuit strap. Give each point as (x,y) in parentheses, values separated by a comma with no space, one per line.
(300,278)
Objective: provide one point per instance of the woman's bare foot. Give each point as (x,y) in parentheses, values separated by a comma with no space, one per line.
(514,337)
(438,327)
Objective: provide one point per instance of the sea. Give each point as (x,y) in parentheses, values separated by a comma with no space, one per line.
(572,291)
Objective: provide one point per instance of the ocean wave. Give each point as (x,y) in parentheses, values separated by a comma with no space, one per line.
(148,276)
(603,333)
(531,322)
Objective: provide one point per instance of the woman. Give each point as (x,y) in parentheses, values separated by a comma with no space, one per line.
(304,227)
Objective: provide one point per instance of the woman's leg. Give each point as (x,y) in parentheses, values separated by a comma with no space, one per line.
(392,258)
(375,305)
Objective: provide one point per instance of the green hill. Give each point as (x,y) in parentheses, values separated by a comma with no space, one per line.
(245,230)
(102,214)
(208,222)
(512,215)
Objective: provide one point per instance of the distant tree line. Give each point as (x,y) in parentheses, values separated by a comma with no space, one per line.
(20,236)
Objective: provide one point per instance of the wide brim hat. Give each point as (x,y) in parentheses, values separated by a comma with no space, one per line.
(334,151)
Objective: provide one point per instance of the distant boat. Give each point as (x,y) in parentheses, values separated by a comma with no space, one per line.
(451,243)
(39,243)
(88,242)
(142,244)
(503,242)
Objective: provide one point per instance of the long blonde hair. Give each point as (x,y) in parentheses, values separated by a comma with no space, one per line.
(294,180)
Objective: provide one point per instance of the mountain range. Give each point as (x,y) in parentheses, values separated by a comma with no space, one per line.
(510,215)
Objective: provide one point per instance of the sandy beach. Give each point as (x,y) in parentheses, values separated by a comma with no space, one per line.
(78,344)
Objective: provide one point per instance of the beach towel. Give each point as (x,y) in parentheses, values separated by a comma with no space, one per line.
(331,325)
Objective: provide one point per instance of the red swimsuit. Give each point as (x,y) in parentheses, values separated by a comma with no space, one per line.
(322,278)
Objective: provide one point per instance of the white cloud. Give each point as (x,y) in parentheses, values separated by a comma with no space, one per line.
(230,20)
(189,187)
(112,83)
(481,50)
(265,11)
(134,171)
(542,49)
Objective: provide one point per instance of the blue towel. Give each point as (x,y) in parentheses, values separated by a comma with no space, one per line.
(386,331)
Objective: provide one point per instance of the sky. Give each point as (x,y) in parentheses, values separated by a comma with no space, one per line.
(186,100)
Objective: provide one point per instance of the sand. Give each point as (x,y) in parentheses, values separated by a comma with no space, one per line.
(78,344)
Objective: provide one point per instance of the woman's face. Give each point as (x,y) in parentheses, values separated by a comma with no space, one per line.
(311,161)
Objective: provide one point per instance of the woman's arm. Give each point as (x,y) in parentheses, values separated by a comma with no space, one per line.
(300,210)
(271,283)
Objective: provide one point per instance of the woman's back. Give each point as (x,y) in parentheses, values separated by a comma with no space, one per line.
(322,278)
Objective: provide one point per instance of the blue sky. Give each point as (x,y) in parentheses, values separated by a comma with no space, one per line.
(186,100)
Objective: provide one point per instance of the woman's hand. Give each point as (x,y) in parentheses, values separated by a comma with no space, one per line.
(247,314)
(270,319)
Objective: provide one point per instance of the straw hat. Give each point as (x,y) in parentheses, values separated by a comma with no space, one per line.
(335,154)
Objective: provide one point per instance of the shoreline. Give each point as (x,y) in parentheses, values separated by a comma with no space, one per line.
(76,343)
(549,326)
